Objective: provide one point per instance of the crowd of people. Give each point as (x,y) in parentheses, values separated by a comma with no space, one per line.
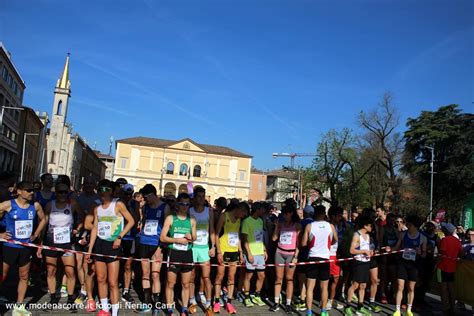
(181,251)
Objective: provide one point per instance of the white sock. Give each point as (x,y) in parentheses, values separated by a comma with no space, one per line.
(83,292)
(398,308)
(408,307)
(288,301)
(372,300)
(104,304)
(192,301)
(125,291)
(115,309)
(277,300)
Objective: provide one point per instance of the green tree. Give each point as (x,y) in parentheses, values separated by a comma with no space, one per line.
(451,133)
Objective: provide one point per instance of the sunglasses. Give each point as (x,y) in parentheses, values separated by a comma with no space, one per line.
(29,190)
(104,189)
(184,204)
(62,192)
(148,195)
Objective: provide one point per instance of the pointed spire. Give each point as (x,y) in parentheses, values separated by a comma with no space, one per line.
(63,82)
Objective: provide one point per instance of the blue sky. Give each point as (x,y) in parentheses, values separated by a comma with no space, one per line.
(258,76)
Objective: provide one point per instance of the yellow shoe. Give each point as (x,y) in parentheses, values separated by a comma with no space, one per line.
(397,313)
(409,313)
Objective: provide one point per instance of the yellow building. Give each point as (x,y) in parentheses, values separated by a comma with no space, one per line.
(169,165)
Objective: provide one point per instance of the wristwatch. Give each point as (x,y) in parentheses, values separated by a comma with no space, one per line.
(119,237)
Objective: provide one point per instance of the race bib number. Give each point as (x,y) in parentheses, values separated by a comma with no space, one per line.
(409,254)
(151,228)
(285,238)
(233,239)
(258,234)
(179,246)
(105,229)
(23,229)
(61,235)
(202,237)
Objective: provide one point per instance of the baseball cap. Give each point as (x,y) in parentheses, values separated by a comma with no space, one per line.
(308,209)
(450,228)
(128,188)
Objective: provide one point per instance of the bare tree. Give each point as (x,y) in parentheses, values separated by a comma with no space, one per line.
(385,143)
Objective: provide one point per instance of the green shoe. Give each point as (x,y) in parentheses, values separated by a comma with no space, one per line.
(355,299)
(257,300)
(348,311)
(363,312)
(324,314)
(374,308)
(248,302)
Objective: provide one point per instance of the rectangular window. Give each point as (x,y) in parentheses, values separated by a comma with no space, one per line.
(242,175)
(15,88)
(4,73)
(2,98)
(14,136)
(123,163)
(10,81)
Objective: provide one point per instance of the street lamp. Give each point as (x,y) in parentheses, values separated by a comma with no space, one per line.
(23,155)
(431,185)
(10,108)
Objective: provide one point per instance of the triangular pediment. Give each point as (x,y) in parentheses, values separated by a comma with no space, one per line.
(186,144)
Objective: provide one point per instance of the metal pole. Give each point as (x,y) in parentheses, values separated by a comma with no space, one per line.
(431,185)
(23,157)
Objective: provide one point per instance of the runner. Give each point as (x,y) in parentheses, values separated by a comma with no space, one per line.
(255,253)
(389,262)
(287,232)
(450,249)
(428,264)
(469,245)
(149,246)
(46,194)
(360,249)
(318,236)
(201,251)
(336,218)
(89,265)
(228,252)
(299,303)
(19,218)
(414,245)
(379,221)
(106,238)
(179,231)
(60,214)
(87,200)
(128,243)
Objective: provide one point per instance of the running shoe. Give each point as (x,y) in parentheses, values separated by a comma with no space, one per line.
(348,311)
(288,309)
(329,305)
(143,308)
(230,308)
(90,306)
(126,297)
(217,307)
(71,306)
(355,299)
(209,311)
(397,313)
(363,312)
(63,291)
(410,313)
(240,297)
(185,312)
(103,313)
(192,309)
(248,302)
(155,312)
(339,306)
(80,299)
(324,314)
(275,307)
(374,308)
(169,312)
(20,309)
(257,300)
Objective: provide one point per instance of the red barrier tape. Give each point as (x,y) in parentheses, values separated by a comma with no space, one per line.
(25,244)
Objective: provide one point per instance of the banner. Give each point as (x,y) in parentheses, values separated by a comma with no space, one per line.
(463,283)
(440,216)
(467,221)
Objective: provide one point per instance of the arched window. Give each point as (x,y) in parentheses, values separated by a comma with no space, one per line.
(60,108)
(197,171)
(170,168)
(53,157)
(183,170)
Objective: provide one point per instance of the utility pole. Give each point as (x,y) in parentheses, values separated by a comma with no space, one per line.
(292,157)
(431,184)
